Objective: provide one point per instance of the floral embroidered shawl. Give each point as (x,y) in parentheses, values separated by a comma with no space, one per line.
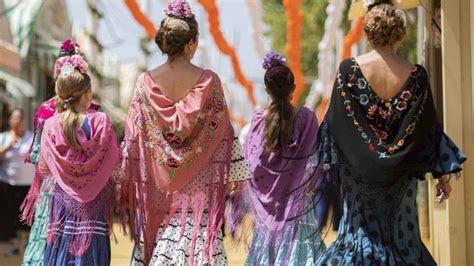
(46,110)
(401,135)
(82,176)
(167,144)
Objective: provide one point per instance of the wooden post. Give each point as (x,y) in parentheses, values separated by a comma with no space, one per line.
(449,220)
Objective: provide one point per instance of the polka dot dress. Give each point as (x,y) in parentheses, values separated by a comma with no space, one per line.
(239,169)
(379,225)
(170,249)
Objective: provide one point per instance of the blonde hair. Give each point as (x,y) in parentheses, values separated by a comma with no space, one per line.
(384,24)
(69,89)
(174,34)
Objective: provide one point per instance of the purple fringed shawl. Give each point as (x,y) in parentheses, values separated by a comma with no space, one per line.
(280,184)
(274,176)
(82,177)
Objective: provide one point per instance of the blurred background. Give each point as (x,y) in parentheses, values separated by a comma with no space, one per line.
(116,38)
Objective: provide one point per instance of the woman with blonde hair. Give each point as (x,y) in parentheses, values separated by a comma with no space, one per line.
(79,151)
(380,136)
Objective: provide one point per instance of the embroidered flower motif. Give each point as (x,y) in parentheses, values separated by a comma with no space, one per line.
(343,93)
(372,109)
(402,106)
(348,108)
(380,134)
(364,99)
(172,163)
(371,147)
(362,83)
(215,105)
(173,138)
(384,114)
(364,135)
(411,128)
(391,150)
(406,95)
(401,142)
(212,124)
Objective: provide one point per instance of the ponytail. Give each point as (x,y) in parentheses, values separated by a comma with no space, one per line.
(69,89)
(278,125)
(279,83)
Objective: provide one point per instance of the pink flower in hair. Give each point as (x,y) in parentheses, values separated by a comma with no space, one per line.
(68,47)
(68,64)
(179,9)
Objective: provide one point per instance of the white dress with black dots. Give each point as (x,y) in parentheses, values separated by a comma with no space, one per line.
(170,249)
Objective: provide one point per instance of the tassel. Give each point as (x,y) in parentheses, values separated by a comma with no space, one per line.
(28,206)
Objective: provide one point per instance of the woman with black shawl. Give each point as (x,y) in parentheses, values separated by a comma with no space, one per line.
(380,135)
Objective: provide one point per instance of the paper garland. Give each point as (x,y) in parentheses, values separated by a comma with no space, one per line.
(294,22)
(214,28)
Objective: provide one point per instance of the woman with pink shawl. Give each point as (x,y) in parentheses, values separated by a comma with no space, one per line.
(78,151)
(180,154)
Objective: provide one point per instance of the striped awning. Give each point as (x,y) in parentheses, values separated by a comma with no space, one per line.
(45,55)
(16,87)
(21,16)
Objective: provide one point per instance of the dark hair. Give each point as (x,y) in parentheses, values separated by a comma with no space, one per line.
(174,34)
(280,83)
(384,24)
(20,110)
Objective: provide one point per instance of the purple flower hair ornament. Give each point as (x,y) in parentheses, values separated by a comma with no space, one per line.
(179,9)
(273,59)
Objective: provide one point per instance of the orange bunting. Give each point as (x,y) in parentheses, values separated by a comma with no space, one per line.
(214,27)
(141,18)
(293,43)
(352,37)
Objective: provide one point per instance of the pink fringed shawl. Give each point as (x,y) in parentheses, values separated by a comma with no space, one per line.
(168,144)
(46,110)
(82,176)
